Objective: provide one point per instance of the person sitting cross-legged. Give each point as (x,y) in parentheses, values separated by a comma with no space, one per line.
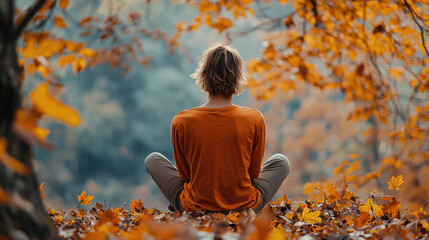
(218,146)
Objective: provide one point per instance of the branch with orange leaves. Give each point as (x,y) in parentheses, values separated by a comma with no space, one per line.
(28,16)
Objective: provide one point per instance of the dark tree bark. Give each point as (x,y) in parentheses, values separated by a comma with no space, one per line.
(24,217)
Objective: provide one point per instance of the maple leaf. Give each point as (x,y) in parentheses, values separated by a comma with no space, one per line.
(310,217)
(371,206)
(85,200)
(396,182)
(136,206)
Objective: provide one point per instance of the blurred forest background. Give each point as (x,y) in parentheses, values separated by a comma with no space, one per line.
(126,111)
(126,117)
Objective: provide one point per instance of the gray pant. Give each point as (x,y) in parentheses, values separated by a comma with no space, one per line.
(273,172)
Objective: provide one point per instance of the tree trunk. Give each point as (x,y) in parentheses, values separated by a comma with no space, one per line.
(24,217)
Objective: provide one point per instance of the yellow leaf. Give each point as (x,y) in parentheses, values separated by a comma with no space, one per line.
(277,233)
(83,199)
(63,4)
(425,225)
(283,1)
(310,217)
(43,70)
(419,213)
(353,156)
(371,206)
(87,52)
(64,60)
(46,104)
(396,182)
(44,47)
(79,65)
(25,125)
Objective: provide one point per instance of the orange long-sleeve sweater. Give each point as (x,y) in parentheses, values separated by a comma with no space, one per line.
(217,152)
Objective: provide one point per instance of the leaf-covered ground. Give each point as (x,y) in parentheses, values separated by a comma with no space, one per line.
(338,215)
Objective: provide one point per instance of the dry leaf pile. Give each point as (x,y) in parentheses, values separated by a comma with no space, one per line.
(339,215)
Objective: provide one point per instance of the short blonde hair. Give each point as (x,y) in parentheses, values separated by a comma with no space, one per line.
(220,71)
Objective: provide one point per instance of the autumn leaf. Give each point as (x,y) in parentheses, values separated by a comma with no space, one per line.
(25,126)
(86,20)
(233,216)
(63,4)
(371,206)
(44,47)
(58,219)
(4,197)
(59,22)
(425,225)
(42,196)
(11,162)
(87,52)
(396,182)
(46,104)
(79,65)
(136,206)
(261,223)
(85,200)
(310,217)
(67,59)
(308,188)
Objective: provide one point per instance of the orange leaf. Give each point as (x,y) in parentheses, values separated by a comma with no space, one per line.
(14,164)
(42,196)
(25,126)
(79,65)
(85,20)
(63,4)
(43,70)
(64,60)
(262,224)
(362,220)
(11,162)
(87,52)
(4,197)
(59,22)
(31,67)
(396,182)
(46,104)
(136,206)
(83,199)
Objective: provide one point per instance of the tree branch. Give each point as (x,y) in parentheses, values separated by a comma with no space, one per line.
(30,14)
(412,12)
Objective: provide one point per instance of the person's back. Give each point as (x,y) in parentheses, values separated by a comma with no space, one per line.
(223,149)
(218,147)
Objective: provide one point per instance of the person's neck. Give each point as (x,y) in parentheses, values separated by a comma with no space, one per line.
(218,101)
